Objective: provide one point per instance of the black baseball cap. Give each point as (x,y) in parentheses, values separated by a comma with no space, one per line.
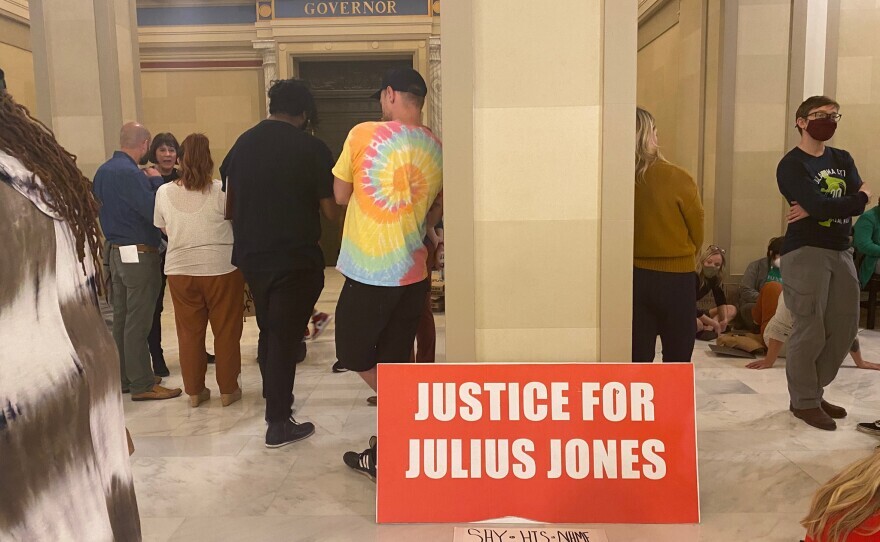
(403,80)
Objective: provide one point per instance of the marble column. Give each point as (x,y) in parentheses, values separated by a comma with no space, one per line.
(270,63)
(87,72)
(436,82)
(549,171)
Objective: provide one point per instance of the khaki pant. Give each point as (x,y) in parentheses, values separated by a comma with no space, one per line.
(822,292)
(197,301)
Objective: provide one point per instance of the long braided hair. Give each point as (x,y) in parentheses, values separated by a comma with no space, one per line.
(67,191)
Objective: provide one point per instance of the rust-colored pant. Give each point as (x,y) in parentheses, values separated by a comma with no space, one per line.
(765,307)
(197,301)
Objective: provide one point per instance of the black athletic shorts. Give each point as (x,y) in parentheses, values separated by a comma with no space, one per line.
(377,323)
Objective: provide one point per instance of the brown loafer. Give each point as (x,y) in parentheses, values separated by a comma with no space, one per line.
(834,411)
(158,393)
(816,417)
(156,380)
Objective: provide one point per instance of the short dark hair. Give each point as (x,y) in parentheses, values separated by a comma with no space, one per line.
(813,102)
(414,99)
(775,246)
(165,138)
(292,97)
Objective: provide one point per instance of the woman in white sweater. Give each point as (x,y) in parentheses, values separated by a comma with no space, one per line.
(204,285)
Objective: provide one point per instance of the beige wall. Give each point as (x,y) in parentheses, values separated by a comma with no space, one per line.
(19,67)
(17,60)
(219,103)
(658,87)
(760,127)
(536,191)
(526,207)
(858,85)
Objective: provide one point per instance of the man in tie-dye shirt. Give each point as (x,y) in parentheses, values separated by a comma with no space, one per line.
(390,174)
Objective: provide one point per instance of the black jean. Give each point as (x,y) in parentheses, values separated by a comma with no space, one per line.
(283,301)
(663,304)
(154,339)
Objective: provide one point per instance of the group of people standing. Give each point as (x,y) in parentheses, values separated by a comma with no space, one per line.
(62,419)
(261,225)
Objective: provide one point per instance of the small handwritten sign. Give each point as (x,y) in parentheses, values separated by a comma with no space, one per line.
(530,534)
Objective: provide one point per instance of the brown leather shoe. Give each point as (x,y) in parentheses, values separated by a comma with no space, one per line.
(834,411)
(156,380)
(158,393)
(816,417)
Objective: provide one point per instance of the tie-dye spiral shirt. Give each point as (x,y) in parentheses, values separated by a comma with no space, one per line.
(397,172)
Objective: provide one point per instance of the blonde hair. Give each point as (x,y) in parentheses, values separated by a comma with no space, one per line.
(647,153)
(710,251)
(846,501)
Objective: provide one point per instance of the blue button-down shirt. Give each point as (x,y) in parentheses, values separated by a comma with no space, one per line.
(127,198)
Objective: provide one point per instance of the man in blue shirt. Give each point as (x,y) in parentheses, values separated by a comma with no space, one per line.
(127,196)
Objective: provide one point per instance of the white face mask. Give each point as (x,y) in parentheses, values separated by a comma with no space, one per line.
(777,263)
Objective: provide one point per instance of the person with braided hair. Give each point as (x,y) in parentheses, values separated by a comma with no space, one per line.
(64,470)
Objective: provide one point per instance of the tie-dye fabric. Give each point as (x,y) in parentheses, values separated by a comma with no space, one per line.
(64,466)
(397,172)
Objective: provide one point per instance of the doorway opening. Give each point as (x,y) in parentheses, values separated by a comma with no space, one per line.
(343,90)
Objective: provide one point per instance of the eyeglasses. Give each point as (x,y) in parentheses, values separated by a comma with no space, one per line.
(716,248)
(822,115)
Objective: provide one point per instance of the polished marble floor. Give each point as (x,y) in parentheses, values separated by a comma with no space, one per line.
(204,474)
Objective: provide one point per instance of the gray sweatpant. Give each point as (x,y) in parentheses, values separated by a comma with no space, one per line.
(822,291)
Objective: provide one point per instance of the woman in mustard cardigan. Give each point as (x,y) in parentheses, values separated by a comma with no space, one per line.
(668,235)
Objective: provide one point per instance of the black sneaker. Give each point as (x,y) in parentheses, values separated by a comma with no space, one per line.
(871,428)
(338,368)
(364,462)
(287,432)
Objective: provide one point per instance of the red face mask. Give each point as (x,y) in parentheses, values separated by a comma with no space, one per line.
(821,129)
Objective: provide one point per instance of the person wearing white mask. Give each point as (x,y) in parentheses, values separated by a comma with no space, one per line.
(760,288)
(710,278)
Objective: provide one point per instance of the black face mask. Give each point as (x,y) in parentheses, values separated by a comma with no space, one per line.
(822,129)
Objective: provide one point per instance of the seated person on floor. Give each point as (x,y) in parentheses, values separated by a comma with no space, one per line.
(760,287)
(776,335)
(847,507)
(866,240)
(710,278)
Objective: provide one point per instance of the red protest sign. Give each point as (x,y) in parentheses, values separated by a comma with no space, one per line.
(555,443)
